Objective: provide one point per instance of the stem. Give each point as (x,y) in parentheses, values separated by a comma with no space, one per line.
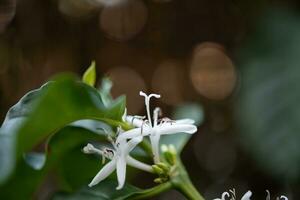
(189,191)
(146,194)
(183,183)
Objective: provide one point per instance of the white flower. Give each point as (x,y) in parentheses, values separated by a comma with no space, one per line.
(224,196)
(247,196)
(119,157)
(282,197)
(232,196)
(154,129)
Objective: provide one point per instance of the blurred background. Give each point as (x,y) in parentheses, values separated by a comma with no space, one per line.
(233,65)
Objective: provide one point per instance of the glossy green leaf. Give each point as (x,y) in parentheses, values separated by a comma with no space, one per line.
(62,102)
(105,190)
(26,180)
(89,76)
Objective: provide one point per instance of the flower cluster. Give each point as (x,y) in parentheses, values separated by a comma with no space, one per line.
(126,141)
(231,195)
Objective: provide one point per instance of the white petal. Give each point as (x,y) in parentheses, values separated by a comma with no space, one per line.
(268,195)
(168,128)
(131,144)
(247,196)
(185,121)
(121,172)
(154,139)
(136,132)
(104,173)
(283,197)
(224,195)
(138,164)
(134,120)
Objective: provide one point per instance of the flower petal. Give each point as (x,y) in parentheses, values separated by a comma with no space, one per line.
(185,121)
(247,195)
(167,128)
(136,132)
(121,171)
(134,120)
(138,164)
(104,173)
(131,144)
(224,196)
(154,139)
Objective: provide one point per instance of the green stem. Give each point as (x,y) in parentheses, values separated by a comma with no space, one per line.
(183,183)
(189,191)
(146,194)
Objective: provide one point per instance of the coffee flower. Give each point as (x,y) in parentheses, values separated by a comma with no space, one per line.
(119,157)
(246,196)
(154,127)
(232,195)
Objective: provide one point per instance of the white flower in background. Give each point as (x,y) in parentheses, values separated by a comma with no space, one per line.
(232,195)
(246,196)
(154,129)
(282,197)
(119,157)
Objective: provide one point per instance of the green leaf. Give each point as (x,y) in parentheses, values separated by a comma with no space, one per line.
(190,110)
(89,76)
(62,102)
(25,179)
(105,190)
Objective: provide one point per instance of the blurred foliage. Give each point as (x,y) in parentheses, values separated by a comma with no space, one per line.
(268,110)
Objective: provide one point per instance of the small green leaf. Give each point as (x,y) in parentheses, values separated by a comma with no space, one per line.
(89,76)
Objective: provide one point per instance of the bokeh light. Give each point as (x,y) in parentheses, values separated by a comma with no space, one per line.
(212,71)
(125,20)
(79,9)
(168,79)
(129,82)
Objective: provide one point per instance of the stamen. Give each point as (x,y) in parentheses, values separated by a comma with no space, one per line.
(109,153)
(147,103)
(233,194)
(167,120)
(137,117)
(90,149)
(156,113)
